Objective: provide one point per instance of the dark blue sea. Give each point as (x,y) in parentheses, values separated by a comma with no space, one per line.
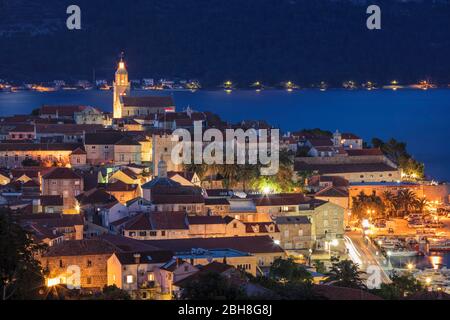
(420,118)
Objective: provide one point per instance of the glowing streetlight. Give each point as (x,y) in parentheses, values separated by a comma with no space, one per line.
(365,224)
(428,281)
(51,282)
(410,266)
(266,190)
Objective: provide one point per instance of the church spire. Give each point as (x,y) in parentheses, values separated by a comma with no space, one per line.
(121,87)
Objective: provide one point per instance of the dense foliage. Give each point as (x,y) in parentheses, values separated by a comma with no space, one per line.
(21,275)
(396,151)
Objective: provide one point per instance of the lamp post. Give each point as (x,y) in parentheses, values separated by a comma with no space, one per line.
(370,212)
(333,243)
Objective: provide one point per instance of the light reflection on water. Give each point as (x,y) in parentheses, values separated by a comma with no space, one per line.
(436,261)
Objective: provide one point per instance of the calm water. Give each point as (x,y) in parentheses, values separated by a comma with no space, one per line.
(420,118)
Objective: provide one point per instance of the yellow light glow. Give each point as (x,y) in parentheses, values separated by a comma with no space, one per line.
(428,281)
(365,223)
(410,266)
(335,243)
(266,190)
(121,65)
(51,282)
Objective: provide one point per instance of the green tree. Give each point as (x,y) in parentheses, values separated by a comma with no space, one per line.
(211,286)
(362,203)
(114,293)
(406,200)
(286,270)
(21,274)
(320,267)
(346,274)
(397,152)
(30,163)
(401,286)
(389,203)
(247,174)
(199,169)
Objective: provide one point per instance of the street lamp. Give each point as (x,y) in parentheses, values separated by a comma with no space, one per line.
(333,243)
(370,212)
(410,267)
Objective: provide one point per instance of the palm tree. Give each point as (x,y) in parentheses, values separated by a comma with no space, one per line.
(346,274)
(246,174)
(405,200)
(230,173)
(199,169)
(421,204)
(362,203)
(389,202)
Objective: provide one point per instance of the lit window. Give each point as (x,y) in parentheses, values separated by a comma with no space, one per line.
(129,279)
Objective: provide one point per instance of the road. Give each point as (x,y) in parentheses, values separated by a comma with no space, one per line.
(366,255)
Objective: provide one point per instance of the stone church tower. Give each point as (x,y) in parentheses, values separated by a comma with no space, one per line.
(121,88)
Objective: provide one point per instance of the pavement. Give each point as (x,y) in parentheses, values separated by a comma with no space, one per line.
(363,252)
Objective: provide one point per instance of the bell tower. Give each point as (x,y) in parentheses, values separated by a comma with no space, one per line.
(121,88)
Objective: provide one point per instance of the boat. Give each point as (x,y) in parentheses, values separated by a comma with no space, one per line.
(369,85)
(439,245)
(424,85)
(402,252)
(323,86)
(350,85)
(257,86)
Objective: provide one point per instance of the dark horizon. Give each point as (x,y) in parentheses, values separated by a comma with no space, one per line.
(271,41)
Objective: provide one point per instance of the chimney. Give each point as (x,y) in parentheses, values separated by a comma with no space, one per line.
(137,258)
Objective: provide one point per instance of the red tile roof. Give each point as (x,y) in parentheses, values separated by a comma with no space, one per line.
(144,257)
(339,293)
(364,152)
(205,220)
(279,199)
(158,221)
(38,146)
(253,244)
(149,101)
(343,168)
(66,111)
(62,173)
(332,192)
(80,248)
(120,186)
(177,199)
